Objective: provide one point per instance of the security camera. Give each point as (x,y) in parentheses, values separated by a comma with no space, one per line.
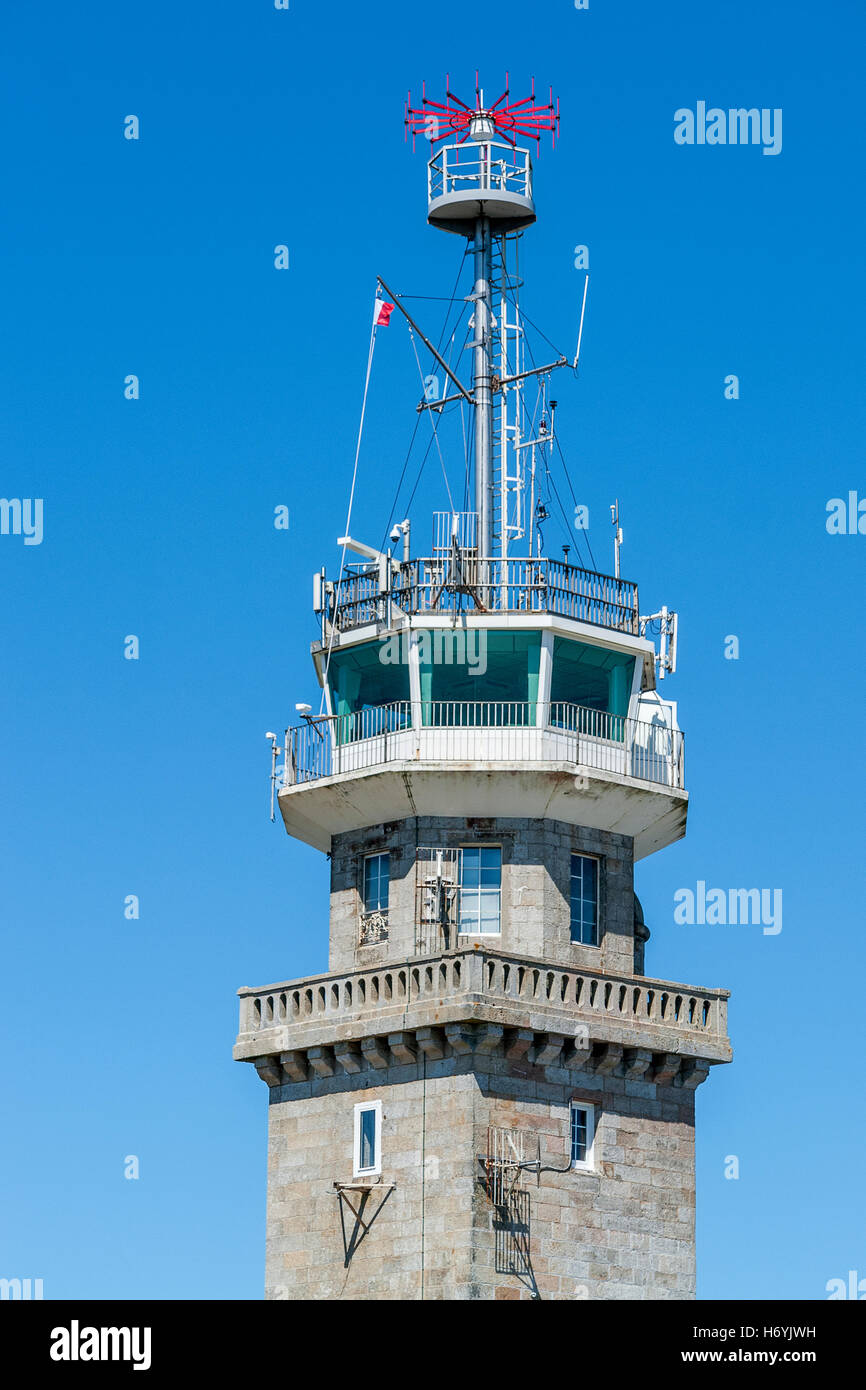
(396,533)
(304,709)
(270,735)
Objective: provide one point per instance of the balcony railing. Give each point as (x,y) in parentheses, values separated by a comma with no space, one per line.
(489,975)
(440,585)
(484,731)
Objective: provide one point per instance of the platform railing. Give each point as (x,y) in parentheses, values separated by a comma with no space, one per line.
(491,731)
(442,585)
(486,166)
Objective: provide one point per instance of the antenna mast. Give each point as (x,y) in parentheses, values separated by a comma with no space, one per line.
(480,187)
(617,535)
(482,343)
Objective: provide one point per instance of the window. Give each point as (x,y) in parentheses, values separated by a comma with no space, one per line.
(587,677)
(480,890)
(376,878)
(457,666)
(368,1139)
(584,900)
(582,1134)
(369,694)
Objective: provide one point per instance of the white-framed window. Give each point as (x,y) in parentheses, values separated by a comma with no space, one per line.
(376,882)
(582,1132)
(367,1159)
(480,890)
(584,899)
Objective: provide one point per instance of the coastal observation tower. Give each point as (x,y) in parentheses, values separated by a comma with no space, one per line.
(486,1095)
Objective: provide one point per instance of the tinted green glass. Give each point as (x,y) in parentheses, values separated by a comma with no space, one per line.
(593,678)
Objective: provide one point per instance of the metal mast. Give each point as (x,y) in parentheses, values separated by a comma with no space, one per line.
(482,391)
(481,187)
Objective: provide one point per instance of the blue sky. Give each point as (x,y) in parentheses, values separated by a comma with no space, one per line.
(149,777)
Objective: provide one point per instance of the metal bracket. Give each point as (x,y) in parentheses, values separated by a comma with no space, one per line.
(666,656)
(364,1189)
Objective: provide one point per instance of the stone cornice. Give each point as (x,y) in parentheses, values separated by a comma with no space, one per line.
(480,1041)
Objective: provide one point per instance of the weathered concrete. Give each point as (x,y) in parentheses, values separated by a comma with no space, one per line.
(650,814)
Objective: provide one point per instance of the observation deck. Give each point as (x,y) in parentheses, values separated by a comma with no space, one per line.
(480,179)
(579,765)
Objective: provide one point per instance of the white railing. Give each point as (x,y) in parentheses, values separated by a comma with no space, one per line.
(490,731)
(483,167)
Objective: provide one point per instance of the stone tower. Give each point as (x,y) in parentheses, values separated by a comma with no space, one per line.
(485,1096)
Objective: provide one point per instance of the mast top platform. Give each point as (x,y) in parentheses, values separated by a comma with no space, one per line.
(482,173)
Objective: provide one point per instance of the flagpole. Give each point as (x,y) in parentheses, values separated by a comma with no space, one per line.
(426,341)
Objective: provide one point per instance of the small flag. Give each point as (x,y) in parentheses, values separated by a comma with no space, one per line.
(382,311)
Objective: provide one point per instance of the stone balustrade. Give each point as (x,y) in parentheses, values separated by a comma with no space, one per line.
(479,986)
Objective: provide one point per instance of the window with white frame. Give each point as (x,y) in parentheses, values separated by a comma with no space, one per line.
(367,1160)
(584,899)
(376,882)
(582,1121)
(480,890)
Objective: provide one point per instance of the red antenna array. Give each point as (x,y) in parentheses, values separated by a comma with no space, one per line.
(442,121)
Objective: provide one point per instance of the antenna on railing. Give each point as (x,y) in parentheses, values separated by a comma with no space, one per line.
(275,751)
(617,536)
